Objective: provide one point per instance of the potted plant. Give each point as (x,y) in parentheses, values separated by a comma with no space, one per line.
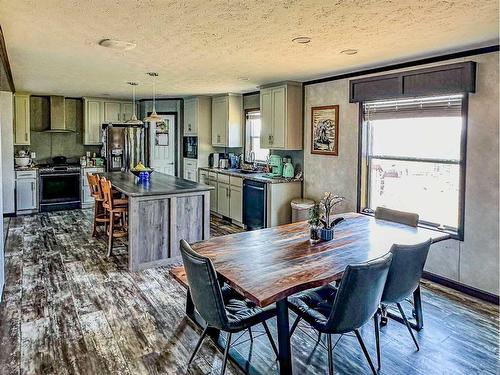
(327,204)
(315,223)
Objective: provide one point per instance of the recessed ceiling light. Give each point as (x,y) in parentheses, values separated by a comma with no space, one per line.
(243,78)
(349,51)
(301,39)
(117,44)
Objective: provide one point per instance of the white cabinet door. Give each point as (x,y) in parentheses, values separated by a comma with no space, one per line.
(87,199)
(112,112)
(279,117)
(21,119)
(190,117)
(190,174)
(213,195)
(223,199)
(26,198)
(94,118)
(266,116)
(127,110)
(219,121)
(236,204)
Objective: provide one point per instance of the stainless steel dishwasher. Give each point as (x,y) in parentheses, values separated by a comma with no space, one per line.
(254,204)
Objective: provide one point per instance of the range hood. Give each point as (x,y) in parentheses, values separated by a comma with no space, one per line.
(58,116)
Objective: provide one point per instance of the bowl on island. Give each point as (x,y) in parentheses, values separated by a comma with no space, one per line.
(137,172)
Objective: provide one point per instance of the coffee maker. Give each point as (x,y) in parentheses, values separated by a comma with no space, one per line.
(276,166)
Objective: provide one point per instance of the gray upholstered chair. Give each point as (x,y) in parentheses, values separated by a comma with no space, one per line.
(403,279)
(407,218)
(337,311)
(221,308)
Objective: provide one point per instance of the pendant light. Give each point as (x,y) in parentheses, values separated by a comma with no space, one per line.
(153,117)
(133,120)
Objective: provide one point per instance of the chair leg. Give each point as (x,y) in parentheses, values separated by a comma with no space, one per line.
(330,353)
(226,353)
(377,338)
(198,345)
(110,233)
(294,325)
(408,325)
(383,315)
(250,333)
(365,352)
(96,213)
(273,345)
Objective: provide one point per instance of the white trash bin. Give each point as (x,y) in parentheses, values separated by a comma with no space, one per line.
(300,209)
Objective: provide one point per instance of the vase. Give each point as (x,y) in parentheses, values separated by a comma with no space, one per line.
(314,234)
(326,234)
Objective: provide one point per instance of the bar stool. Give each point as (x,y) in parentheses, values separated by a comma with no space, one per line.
(100,216)
(117,210)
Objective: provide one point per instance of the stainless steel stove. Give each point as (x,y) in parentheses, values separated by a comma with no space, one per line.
(59,185)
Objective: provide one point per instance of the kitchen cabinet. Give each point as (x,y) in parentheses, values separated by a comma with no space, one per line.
(191,117)
(236,198)
(223,199)
(212,181)
(86,199)
(127,111)
(26,192)
(21,119)
(190,169)
(281,116)
(227,121)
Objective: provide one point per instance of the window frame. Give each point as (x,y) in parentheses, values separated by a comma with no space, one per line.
(247,142)
(363,175)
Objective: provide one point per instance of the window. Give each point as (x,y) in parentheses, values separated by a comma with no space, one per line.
(413,158)
(252,141)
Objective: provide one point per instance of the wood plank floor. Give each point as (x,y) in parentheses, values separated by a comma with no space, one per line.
(67,309)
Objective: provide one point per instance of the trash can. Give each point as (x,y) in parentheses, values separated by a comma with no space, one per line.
(300,209)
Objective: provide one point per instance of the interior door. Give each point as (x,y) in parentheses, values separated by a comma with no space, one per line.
(162,149)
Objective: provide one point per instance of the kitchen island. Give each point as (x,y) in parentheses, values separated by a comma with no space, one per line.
(161,212)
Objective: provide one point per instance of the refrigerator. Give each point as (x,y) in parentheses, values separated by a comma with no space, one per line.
(124,146)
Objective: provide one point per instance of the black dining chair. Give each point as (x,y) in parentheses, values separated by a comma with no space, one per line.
(221,308)
(402,217)
(347,308)
(402,280)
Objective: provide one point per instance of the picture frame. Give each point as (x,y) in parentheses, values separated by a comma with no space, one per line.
(325,130)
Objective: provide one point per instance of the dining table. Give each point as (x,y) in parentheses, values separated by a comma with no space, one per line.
(269,265)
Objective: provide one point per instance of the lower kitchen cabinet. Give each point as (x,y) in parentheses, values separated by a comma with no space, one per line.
(223,202)
(86,198)
(236,203)
(26,192)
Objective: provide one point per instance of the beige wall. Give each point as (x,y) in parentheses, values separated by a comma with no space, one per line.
(475,260)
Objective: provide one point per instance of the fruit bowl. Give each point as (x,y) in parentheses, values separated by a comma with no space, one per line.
(137,172)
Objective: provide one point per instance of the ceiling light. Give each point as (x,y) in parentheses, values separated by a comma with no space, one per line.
(243,78)
(133,120)
(117,44)
(349,51)
(153,117)
(301,39)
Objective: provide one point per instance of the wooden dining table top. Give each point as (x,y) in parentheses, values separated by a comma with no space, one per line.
(270,264)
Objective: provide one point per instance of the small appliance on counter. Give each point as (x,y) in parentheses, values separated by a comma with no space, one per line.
(276,166)
(233,161)
(288,169)
(215,160)
(223,163)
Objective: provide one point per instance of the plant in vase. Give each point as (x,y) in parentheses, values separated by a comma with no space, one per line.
(326,205)
(315,223)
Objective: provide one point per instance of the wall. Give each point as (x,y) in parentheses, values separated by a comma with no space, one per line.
(3,118)
(8,177)
(475,261)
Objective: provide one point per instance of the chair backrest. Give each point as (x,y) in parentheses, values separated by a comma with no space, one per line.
(406,270)
(106,192)
(407,218)
(359,294)
(204,287)
(94,185)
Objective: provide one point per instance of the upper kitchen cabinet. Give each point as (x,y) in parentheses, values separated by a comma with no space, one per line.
(21,119)
(281,116)
(227,120)
(198,116)
(93,117)
(117,111)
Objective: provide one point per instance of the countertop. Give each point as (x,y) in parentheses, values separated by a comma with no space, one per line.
(261,177)
(159,184)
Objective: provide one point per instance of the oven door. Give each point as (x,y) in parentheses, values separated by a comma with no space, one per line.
(59,191)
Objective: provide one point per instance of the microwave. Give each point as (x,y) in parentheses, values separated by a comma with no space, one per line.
(190,147)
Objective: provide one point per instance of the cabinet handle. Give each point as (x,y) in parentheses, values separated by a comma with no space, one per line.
(26,137)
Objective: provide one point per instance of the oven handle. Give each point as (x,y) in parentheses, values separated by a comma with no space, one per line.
(60,174)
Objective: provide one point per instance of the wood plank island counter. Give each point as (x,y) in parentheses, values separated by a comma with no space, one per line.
(161,213)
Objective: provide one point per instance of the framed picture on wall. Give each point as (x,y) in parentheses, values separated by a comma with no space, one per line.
(325,130)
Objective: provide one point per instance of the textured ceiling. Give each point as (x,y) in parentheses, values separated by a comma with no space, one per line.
(203,46)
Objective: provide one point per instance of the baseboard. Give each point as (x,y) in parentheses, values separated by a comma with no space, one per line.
(469,290)
(9,214)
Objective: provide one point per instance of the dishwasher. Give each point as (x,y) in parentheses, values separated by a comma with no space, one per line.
(254,204)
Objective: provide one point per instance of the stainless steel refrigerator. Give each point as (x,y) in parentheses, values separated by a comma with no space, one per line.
(123,146)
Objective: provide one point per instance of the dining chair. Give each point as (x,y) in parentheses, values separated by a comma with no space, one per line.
(402,280)
(347,308)
(117,210)
(402,217)
(221,310)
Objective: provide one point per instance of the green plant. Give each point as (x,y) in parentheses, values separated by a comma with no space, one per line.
(314,216)
(326,205)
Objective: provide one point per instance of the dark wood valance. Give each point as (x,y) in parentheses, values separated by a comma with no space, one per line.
(437,80)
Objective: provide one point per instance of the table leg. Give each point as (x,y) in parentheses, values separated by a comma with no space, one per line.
(284,352)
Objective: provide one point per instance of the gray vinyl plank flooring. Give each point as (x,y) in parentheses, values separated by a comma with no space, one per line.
(68,309)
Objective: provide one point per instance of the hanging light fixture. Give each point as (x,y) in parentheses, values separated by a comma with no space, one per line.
(153,117)
(133,120)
